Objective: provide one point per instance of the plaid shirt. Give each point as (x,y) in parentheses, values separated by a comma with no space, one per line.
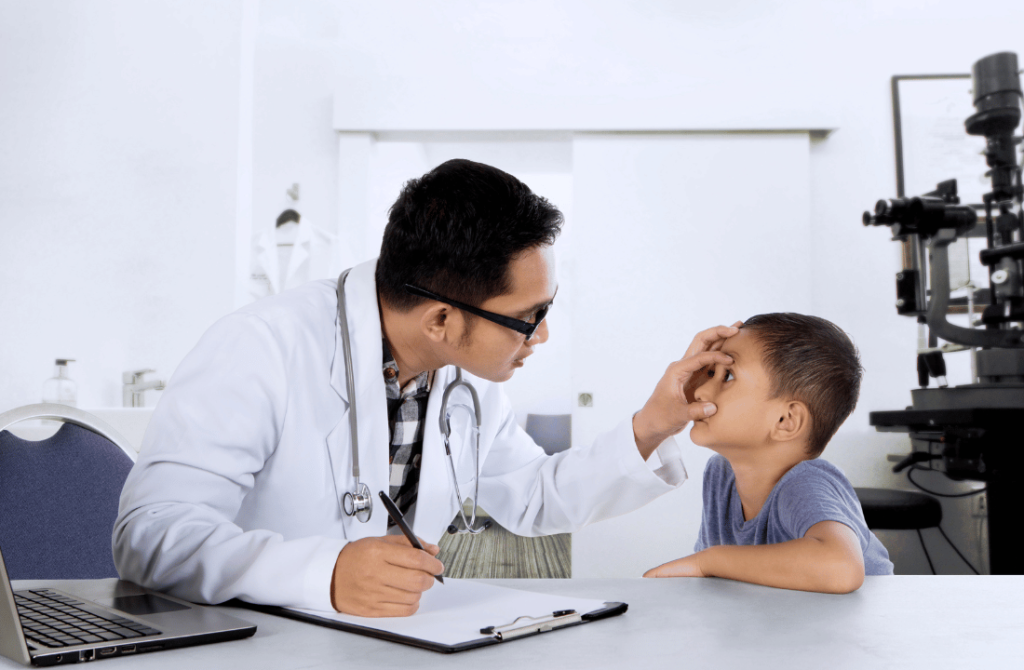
(406,408)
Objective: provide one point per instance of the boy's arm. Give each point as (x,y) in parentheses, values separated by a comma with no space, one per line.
(827,559)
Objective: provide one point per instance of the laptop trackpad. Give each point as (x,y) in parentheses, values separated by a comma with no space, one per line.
(145,603)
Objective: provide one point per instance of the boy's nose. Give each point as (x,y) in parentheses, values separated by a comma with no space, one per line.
(708,386)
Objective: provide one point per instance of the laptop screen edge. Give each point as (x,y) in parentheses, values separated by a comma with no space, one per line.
(12,637)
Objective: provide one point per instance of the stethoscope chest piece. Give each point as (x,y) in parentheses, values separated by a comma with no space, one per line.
(358,503)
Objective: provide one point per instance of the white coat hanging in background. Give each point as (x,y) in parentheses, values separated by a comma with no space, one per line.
(294,252)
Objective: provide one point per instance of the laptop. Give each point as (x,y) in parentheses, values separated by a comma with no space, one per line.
(85,620)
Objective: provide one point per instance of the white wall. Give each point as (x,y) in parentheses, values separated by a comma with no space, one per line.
(120,120)
(664,250)
(296,72)
(583,65)
(666,65)
(119,132)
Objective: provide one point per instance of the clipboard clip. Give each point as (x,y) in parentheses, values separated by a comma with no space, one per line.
(538,624)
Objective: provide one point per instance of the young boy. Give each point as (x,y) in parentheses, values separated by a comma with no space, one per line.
(775,513)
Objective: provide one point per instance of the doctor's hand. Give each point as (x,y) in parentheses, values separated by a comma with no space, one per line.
(672,404)
(383,576)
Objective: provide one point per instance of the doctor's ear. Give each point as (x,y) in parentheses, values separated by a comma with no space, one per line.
(436,322)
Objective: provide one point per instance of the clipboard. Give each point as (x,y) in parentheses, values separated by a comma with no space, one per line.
(461,615)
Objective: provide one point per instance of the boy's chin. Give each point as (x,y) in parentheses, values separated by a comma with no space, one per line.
(699,435)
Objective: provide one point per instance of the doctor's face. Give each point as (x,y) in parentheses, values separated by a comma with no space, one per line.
(494,352)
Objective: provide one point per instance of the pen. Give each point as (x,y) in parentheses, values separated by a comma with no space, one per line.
(399,520)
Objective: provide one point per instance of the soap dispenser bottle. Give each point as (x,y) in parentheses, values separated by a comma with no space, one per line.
(61,389)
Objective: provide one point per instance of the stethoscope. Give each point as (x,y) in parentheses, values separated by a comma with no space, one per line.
(358,502)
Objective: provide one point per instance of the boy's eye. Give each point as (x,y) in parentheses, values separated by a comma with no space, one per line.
(726,377)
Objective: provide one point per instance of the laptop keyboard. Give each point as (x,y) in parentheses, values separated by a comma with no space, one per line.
(52,619)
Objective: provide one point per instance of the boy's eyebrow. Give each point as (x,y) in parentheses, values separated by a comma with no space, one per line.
(731,354)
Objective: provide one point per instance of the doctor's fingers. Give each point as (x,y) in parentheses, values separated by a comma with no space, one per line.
(411,559)
(685,367)
(712,339)
(431,549)
(389,601)
(410,581)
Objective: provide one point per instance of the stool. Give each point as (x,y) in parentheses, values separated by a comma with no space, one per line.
(888,509)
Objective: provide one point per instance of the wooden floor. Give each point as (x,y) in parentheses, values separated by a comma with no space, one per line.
(498,554)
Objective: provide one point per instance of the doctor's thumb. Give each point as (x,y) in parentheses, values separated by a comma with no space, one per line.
(702,410)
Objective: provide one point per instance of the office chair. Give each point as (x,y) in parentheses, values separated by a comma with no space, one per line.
(59,496)
(553,432)
(889,509)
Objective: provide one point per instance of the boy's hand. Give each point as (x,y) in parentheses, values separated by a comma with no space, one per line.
(672,406)
(688,566)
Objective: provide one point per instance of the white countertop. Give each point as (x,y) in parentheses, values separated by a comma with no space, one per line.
(891,622)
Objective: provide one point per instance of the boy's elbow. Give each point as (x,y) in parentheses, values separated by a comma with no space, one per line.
(845,577)
(839,560)
(850,584)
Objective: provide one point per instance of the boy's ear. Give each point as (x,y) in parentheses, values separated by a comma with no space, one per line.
(792,423)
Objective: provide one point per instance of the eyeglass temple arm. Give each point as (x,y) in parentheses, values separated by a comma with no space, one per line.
(508,322)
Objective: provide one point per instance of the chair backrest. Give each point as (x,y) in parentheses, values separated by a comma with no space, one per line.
(553,432)
(59,496)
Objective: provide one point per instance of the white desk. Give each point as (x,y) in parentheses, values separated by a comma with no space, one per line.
(891,622)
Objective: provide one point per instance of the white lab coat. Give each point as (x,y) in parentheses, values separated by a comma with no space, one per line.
(314,255)
(236,492)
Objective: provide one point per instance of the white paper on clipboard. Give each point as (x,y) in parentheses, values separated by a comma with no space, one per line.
(454,612)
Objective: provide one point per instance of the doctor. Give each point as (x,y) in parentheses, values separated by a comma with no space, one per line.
(238,487)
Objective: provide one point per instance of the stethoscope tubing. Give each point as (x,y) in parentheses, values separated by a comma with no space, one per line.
(359,502)
(350,377)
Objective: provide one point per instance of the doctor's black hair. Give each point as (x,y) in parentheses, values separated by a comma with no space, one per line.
(811,360)
(455,230)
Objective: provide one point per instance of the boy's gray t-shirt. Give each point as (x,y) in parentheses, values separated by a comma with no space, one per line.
(812,491)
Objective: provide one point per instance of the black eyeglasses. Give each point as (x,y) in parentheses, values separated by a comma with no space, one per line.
(524,327)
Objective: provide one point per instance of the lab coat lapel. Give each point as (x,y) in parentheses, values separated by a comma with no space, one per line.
(371,402)
(364,330)
(266,258)
(435,507)
(300,253)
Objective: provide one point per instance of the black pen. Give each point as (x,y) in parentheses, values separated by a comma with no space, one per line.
(399,520)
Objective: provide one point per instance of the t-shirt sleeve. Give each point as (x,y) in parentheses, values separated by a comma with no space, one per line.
(812,495)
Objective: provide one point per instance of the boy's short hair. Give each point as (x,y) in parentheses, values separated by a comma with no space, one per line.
(456,229)
(811,360)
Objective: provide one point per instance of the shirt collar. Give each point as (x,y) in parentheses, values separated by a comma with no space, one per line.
(420,384)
